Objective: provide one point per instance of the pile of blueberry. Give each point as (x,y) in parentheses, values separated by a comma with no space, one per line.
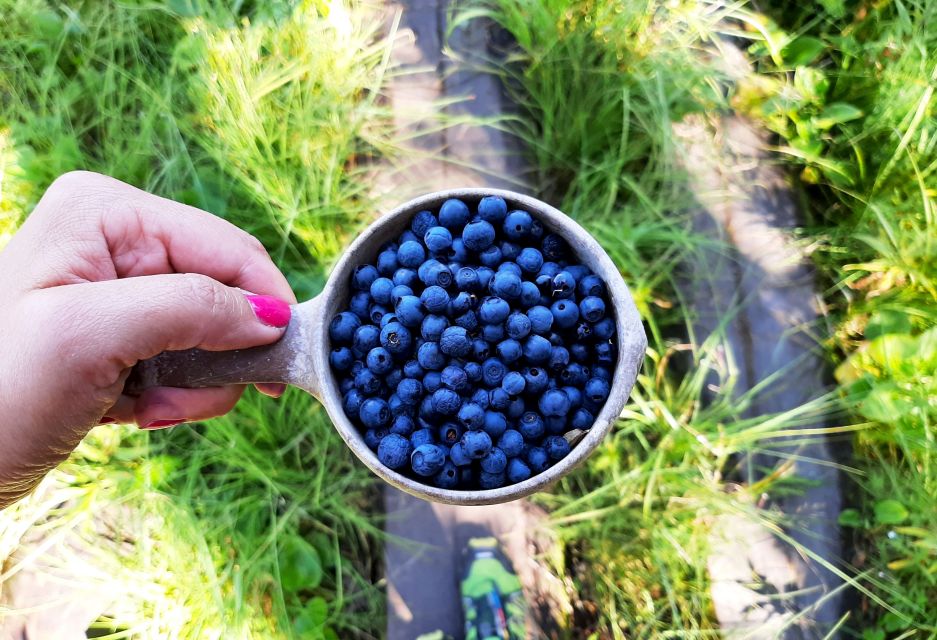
(473,346)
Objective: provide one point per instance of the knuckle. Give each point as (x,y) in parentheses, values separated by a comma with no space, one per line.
(211,294)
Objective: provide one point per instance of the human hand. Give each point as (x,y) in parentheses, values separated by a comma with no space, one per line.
(103,275)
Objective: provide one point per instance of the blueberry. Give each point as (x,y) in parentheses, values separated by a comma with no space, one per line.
(468,321)
(435,273)
(450,433)
(396,338)
(435,299)
(430,357)
(410,390)
(603,329)
(360,305)
(373,437)
(455,342)
(453,214)
(410,254)
(530,294)
(478,235)
(455,378)
(604,353)
(537,349)
(457,252)
(377,312)
(511,442)
(516,408)
(493,371)
(517,471)
(579,352)
(432,380)
(463,302)
(574,395)
(516,224)
(592,308)
(510,267)
(564,285)
(472,416)
(356,367)
(448,477)
(490,257)
(493,333)
(554,402)
(379,361)
(412,369)
(404,276)
(473,371)
(506,285)
(574,374)
(602,372)
(367,383)
(476,444)
(513,383)
(427,459)
(555,424)
(446,402)
(485,274)
(387,319)
(363,276)
(458,456)
(559,358)
(432,327)
(343,325)
(517,325)
(408,236)
(351,403)
(398,292)
(536,380)
(420,437)
(422,222)
(537,459)
(381,289)
(394,451)
(530,260)
(581,419)
(347,384)
(466,279)
(597,390)
(491,480)
(409,311)
(494,310)
(509,350)
(509,250)
(480,349)
(583,331)
(494,462)
(590,285)
(341,358)
(495,424)
(541,319)
(492,209)
(554,247)
(498,399)
(392,378)
(403,425)
(565,313)
(578,271)
(531,425)
(437,239)
(387,262)
(556,447)
(549,269)
(375,413)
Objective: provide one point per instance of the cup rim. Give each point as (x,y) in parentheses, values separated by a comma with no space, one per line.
(630,332)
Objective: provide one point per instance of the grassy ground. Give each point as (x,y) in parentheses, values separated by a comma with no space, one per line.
(849,94)
(258,524)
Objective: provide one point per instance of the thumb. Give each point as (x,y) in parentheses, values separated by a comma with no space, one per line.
(136,318)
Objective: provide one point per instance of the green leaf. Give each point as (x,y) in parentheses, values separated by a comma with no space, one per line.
(810,83)
(885,321)
(310,621)
(890,512)
(836,8)
(837,113)
(850,518)
(300,567)
(873,634)
(802,51)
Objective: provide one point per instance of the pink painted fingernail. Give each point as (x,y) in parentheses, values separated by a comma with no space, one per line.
(273,312)
(161,424)
(107,420)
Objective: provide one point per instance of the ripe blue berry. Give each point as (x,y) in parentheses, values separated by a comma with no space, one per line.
(530,260)
(602,372)
(381,289)
(604,353)
(592,308)
(360,305)
(517,325)
(410,391)
(427,459)
(430,357)
(476,444)
(491,480)
(574,374)
(555,424)
(536,380)
(394,451)
(435,299)
(455,378)
(398,292)
(556,447)
(396,338)
(351,403)
(461,303)
(420,437)
(343,326)
(492,209)
(379,361)
(506,285)
(530,294)
(363,276)
(541,319)
(478,235)
(468,321)
(537,459)
(341,358)
(495,424)
(511,442)
(423,222)
(412,369)
(564,285)
(375,413)
(448,477)
(367,383)
(450,433)
(397,406)
(559,358)
(376,312)
(537,349)
(405,277)
(574,395)
(498,399)
(513,383)
(432,380)
(455,342)
(466,279)
(458,456)
(473,371)
(510,267)
(517,471)
(432,327)
(494,310)
(554,247)
(509,251)
(403,425)
(409,311)
(603,329)
(554,402)
(590,285)
(579,352)
(437,239)
(373,437)
(453,214)
(495,461)
(581,419)
(565,313)
(485,274)
(410,254)
(446,402)
(516,224)
(596,390)
(509,351)
(472,416)
(531,425)
(493,333)
(490,257)
(387,262)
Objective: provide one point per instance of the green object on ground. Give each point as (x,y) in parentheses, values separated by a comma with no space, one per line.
(492,598)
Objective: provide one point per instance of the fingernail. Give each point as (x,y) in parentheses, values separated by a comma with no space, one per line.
(107,420)
(273,389)
(273,312)
(161,424)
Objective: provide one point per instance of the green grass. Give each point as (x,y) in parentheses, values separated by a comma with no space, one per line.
(259,524)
